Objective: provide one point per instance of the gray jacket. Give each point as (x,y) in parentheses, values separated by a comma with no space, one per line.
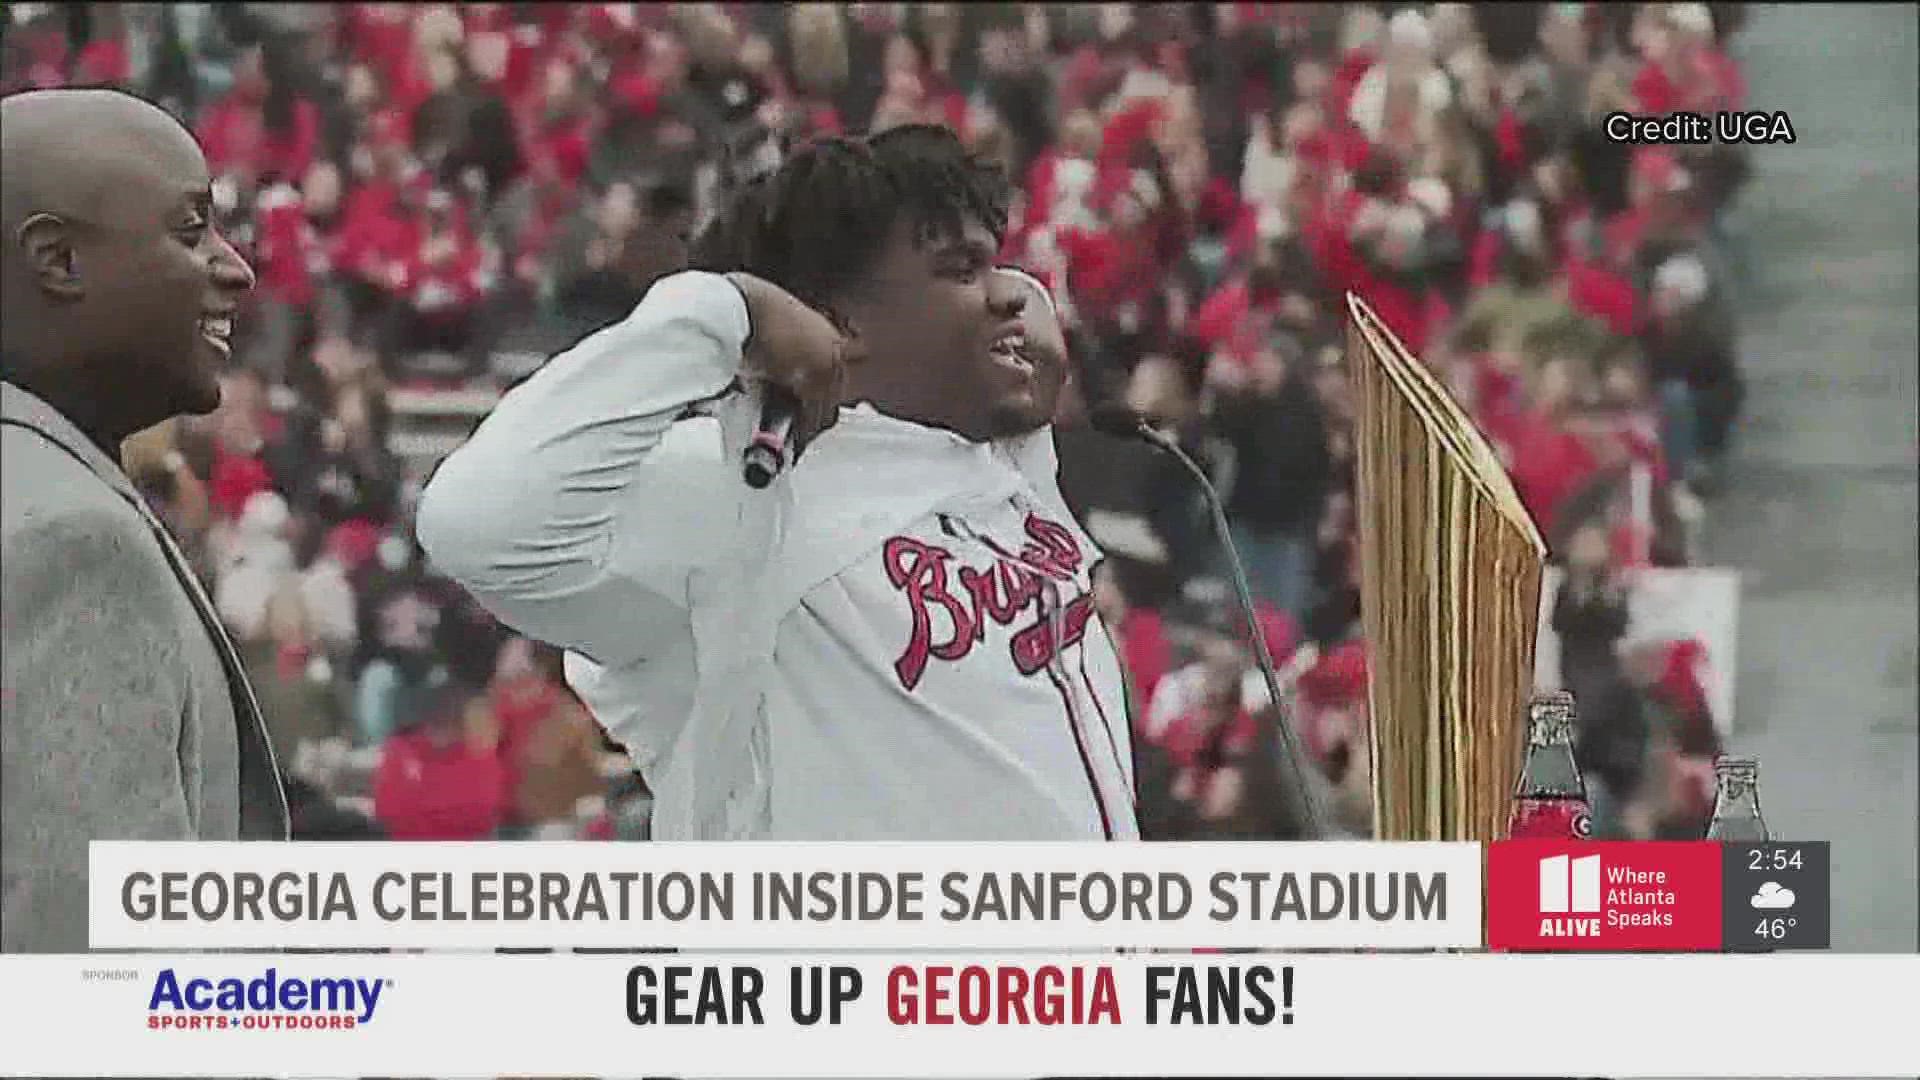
(124,711)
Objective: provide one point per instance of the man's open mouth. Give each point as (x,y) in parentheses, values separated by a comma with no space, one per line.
(218,332)
(1011,349)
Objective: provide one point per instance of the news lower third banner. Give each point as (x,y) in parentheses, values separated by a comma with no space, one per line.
(1003,1015)
(745,896)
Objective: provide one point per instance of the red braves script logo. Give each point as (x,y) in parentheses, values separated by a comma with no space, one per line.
(1556,894)
(1000,593)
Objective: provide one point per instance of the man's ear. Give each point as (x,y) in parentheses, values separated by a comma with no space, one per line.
(847,318)
(46,242)
(853,348)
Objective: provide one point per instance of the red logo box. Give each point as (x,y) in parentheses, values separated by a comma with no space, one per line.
(1563,895)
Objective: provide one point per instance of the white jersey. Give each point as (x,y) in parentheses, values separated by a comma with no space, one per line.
(894,641)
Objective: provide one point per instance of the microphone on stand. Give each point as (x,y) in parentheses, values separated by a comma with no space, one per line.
(1121,422)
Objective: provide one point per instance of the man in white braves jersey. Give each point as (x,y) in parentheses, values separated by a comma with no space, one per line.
(896,639)
(638,708)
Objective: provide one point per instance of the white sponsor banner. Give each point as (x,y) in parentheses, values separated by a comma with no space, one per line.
(784,895)
(979,1016)
(1664,604)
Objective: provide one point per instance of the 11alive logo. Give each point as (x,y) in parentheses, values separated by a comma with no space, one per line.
(1603,896)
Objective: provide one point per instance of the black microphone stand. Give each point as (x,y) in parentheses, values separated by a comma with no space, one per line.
(1296,791)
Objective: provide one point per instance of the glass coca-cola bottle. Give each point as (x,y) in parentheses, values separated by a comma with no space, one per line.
(1736,802)
(1550,800)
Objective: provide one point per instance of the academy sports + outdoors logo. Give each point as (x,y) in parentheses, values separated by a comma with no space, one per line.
(1607,896)
(268,1001)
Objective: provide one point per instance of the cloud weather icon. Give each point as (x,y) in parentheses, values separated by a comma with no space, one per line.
(1773,896)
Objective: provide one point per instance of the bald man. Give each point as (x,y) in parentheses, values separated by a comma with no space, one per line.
(127,715)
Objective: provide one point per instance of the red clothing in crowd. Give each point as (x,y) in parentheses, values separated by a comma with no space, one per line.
(634,94)
(1548,464)
(1040,188)
(1339,146)
(1353,67)
(45,64)
(452,281)
(1483,258)
(1706,81)
(1640,434)
(105,61)
(612,23)
(1595,290)
(236,476)
(1682,688)
(1225,319)
(1620,236)
(1330,239)
(1192,743)
(1222,314)
(1507,137)
(1632,537)
(1199,747)
(1728,82)
(234,479)
(1108,269)
(1333,685)
(377,235)
(381,36)
(1223,212)
(1403,310)
(1654,90)
(1498,397)
(1655,172)
(354,542)
(1281,632)
(488,25)
(567,140)
(536,234)
(1083,75)
(527,48)
(233,132)
(522,705)
(822,119)
(423,790)
(1278,16)
(1130,127)
(953,111)
(287,250)
(1147,654)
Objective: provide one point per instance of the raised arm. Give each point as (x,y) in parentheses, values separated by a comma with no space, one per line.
(524,514)
(537,516)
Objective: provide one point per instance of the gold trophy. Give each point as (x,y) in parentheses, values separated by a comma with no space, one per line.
(1451,569)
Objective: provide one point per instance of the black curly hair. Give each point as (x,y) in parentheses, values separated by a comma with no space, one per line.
(722,244)
(818,223)
(942,184)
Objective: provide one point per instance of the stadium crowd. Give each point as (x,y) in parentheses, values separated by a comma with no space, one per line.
(426,190)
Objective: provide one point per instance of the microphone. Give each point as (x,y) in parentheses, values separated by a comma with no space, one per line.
(766,453)
(1118,419)
(1121,422)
